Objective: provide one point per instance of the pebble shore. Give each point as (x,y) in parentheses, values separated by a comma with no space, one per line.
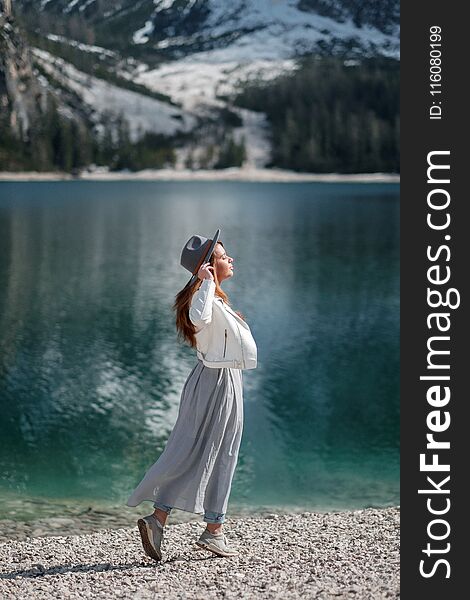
(352,554)
(230,174)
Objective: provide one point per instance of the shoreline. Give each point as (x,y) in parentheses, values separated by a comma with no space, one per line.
(350,554)
(232,174)
(57,518)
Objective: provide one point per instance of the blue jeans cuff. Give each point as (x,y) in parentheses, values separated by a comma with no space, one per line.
(214,517)
(162,506)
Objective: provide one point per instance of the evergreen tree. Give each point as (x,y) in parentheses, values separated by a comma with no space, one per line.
(231,154)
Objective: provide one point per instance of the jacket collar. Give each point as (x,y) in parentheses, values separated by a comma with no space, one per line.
(227,307)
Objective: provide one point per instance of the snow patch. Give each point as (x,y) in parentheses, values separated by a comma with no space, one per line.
(142,112)
(255,132)
(70,5)
(86,5)
(141,36)
(193,81)
(197,85)
(164,4)
(287,17)
(84,47)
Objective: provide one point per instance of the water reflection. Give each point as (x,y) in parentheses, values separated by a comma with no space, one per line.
(91,372)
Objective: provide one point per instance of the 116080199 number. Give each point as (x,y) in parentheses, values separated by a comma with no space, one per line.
(435,71)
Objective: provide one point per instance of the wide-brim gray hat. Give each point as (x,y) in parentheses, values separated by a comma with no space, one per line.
(196,251)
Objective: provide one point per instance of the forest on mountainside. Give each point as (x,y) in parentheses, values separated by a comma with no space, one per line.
(332,115)
(56,143)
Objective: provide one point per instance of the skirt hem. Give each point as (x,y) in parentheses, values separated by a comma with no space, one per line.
(195,512)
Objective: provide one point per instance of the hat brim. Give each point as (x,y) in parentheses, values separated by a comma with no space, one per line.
(215,239)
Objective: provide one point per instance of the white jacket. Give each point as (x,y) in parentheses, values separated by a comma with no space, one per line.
(223,339)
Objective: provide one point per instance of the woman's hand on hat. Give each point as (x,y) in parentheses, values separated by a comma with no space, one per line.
(205,271)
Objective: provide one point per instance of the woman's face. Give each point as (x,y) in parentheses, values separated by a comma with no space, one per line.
(223,263)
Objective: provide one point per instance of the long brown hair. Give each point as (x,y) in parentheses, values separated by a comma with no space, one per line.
(184,326)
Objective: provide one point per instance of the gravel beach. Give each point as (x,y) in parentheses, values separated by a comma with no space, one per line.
(230,174)
(352,554)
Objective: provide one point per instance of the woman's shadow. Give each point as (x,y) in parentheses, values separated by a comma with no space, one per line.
(39,570)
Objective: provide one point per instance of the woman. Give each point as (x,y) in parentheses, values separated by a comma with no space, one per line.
(194,473)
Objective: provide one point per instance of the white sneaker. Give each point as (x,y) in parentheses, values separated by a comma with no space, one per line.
(216,543)
(151,532)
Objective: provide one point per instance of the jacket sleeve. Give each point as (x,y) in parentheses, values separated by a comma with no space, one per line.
(200,310)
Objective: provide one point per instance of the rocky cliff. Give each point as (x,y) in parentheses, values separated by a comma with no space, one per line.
(22,99)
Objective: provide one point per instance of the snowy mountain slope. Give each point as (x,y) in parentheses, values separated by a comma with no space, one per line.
(142,112)
(176,28)
(277,32)
(197,80)
(268,28)
(198,51)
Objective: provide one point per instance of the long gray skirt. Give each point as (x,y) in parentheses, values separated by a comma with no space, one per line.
(194,472)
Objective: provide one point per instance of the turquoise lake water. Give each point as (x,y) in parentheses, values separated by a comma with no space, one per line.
(91,371)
